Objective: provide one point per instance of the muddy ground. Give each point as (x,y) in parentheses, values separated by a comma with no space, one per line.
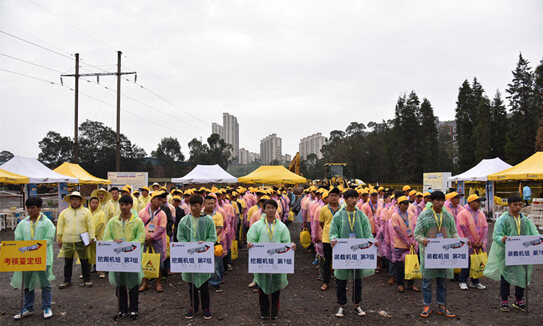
(302,302)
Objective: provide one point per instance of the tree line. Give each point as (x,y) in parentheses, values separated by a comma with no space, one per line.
(403,148)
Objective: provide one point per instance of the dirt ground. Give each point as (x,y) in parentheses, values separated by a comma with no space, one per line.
(302,302)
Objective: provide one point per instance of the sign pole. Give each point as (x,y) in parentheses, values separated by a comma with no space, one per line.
(22,295)
(526,269)
(271,295)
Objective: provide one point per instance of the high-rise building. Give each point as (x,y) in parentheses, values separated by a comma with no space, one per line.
(246,157)
(270,149)
(229,131)
(312,145)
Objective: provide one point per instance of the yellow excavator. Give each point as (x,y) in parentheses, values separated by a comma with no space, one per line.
(335,175)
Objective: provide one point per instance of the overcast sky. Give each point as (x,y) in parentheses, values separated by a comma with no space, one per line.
(287,67)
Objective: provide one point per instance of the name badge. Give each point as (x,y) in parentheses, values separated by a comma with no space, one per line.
(352,235)
(409,232)
(151,228)
(439,235)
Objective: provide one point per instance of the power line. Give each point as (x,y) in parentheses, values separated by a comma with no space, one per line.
(28,62)
(27,76)
(41,47)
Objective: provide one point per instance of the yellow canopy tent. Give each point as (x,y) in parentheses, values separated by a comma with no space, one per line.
(529,169)
(12,178)
(272,174)
(76,171)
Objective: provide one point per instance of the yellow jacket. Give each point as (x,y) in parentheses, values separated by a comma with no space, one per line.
(99,220)
(143,201)
(73,222)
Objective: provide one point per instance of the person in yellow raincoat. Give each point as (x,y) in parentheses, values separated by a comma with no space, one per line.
(114,202)
(36,227)
(74,224)
(99,220)
(105,206)
(126,227)
(144,198)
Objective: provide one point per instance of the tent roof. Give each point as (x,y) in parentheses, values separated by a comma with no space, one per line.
(482,170)
(272,174)
(76,171)
(206,174)
(529,169)
(35,171)
(12,178)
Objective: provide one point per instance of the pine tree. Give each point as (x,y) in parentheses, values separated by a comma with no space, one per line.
(523,123)
(498,126)
(482,134)
(428,139)
(538,101)
(464,127)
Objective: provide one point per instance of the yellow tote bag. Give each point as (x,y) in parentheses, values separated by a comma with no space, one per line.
(167,247)
(150,264)
(412,266)
(234,250)
(291,216)
(478,263)
(305,238)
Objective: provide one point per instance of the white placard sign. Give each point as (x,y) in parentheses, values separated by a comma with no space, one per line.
(192,257)
(271,258)
(444,253)
(524,250)
(354,253)
(118,257)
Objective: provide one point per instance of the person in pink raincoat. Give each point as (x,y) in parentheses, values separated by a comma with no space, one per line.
(402,224)
(452,204)
(316,230)
(370,209)
(416,208)
(155,222)
(472,225)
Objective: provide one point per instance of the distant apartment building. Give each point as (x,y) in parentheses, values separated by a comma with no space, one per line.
(270,149)
(312,145)
(447,131)
(229,131)
(246,157)
(287,158)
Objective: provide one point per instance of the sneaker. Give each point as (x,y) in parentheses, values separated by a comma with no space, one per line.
(520,306)
(216,288)
(47,313)
(274,316)
(133,315)
(207,314)
(229,267)
(463,286)
(252,284)
(65,285)
(504,306)
(26,313)
(102,275)
(85,285)
(189,314)
(119,316)
(359,312)
(340,312)
(477,286)
(264,316)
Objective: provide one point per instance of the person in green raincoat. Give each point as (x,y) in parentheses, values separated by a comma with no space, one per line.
(196,227)
(511,223)
(434,222)
(125,227)
(36,226)
(350,222)
(269,230)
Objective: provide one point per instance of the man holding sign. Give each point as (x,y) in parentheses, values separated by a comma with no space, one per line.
(196,227)
(511,223)
(350,222)
(434,222)
(126,227)
(36,227)
(269,230)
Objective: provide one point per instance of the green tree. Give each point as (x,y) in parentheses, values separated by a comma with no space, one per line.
(464,127)
(525,116)
(215,151)
(482,134)
(498,126)
(55,149)
(5,156)
(168,150)
(427,144)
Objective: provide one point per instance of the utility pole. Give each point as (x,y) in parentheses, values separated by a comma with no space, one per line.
(76,106)
(119,73)
(118,139)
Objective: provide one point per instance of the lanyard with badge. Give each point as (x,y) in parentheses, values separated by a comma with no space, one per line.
(124,224)
(372,208)
(406,221)
(151,217)
(270,231)
(439,223)
(518,222)
(352,222)
(33,225)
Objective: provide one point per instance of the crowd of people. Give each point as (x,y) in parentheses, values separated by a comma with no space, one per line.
(402,222)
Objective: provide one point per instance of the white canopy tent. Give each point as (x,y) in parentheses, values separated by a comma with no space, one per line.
(35,171)
(206,174)
(481,171)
